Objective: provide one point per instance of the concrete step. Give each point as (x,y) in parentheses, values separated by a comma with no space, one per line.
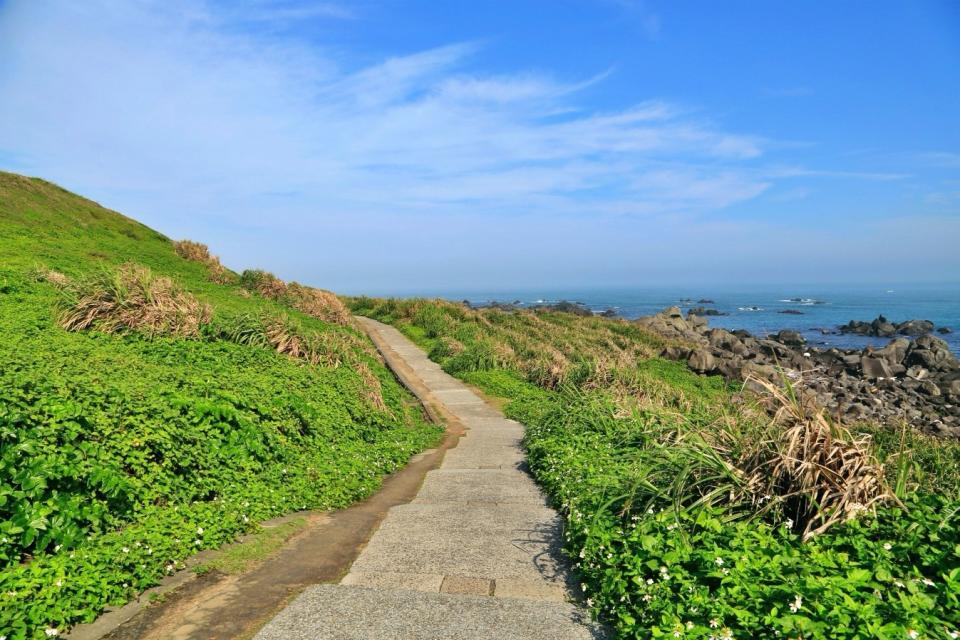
(479,485)
(338,612)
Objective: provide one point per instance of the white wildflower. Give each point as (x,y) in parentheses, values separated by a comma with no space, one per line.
(887,546)
(199,531)
(125,549)
(796,604)
(927,581)
(913,634)
(714,623)
(52,632)
(647,597)
(649,580)
(57,548)
(719,562)
(898,584)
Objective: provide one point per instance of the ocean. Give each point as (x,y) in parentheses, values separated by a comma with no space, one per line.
(758,310)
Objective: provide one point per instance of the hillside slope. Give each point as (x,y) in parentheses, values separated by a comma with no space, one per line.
(137,438)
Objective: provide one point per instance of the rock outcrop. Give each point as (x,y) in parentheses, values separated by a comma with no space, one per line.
(880,327)
(914,381)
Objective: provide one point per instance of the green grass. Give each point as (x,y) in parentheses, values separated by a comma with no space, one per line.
(668,536)
(241,557)
(123,454)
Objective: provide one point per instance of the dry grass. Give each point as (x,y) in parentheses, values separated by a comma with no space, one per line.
(132,298)
(373,391)
(57,279)
(265,283)
(190,250)
(318,303)
(198,252)
(818,471)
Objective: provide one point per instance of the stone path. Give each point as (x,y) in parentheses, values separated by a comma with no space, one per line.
(474,555)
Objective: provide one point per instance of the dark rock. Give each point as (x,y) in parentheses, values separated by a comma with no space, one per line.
(944,330)
(565,306)
(873,368)
(703,311)
(704,301)
(702,361)
(917,372)
(895,351)
(788,337)
(675,353)
(929,388)
(915,328)
(791,312)
(883,328)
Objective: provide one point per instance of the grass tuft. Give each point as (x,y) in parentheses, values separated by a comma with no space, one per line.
(132,298)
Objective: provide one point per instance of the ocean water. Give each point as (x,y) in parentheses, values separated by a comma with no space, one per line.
(756,309)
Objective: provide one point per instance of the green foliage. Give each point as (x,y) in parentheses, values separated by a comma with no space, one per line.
(667,541)
(123,454)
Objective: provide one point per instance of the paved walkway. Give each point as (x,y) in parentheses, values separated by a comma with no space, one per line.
(474,555)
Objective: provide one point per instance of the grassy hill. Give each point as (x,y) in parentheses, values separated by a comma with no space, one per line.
(153,404)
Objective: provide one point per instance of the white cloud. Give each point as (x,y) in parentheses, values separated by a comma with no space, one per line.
(164,98)
(202,122)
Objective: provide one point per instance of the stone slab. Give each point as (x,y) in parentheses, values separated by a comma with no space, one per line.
(467,585)
(335,612)
(394,580)
(478,485)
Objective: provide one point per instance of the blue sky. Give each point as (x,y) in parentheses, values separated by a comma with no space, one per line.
(395,146)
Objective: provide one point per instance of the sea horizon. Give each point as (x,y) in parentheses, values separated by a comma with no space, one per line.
(758,309)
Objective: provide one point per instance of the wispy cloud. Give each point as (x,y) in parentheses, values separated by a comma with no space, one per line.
(128,96)
(200,122)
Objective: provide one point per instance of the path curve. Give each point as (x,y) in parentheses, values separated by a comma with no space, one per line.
(476,554)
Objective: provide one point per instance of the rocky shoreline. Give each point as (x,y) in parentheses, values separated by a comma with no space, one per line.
(914,381)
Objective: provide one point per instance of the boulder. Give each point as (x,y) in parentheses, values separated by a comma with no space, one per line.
(702,361)
(931,353)
(917,372)
(874,368)
(929,388)
(944,330)
(915,328)
(702,311)
(755,370)
(895,351)
(789,337)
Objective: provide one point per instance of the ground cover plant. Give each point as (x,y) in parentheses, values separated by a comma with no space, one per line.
(695,511)
(150,408)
